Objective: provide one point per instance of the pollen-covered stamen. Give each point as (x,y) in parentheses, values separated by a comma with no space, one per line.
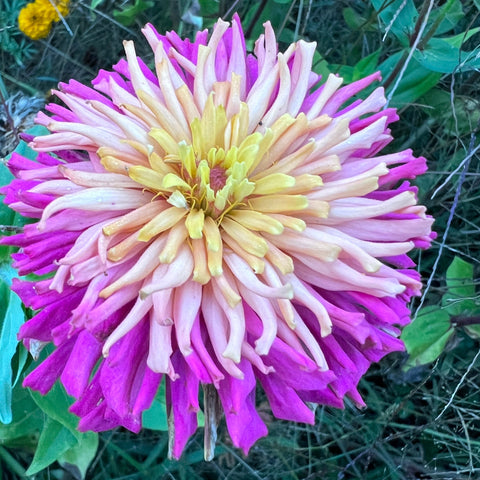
(218,178)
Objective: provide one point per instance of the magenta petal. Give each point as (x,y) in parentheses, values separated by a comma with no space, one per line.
(122,372)
(99,419)
(46,374)
(182,404)
(238,400)
(77,371)
(284,401)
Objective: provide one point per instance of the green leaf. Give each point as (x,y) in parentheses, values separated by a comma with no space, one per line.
(129,14)
(399,16)
(426,337)
(23,148)
(353,19)
(442,55)
(54,440)
(155,418)
(415,82)
(461,38)
(19,360)
(56,404)
(73,447)
(27,419)
(366,65)
(445,18)
(95,3)
(208,8)
(77,459)
(320,66)
(450,14)
(5,176)
(11,318)
(460,296)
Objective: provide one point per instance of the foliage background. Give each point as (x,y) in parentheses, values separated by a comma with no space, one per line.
(423,415)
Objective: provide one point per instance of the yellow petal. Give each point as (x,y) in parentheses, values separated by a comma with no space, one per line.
(172,180)
(135,218)
(158,164)
(146,176)
(273,183)
(166,141)
(200,269)
(279,203)
(257,221)
(255,263)
(212,235)
(165,220)
(175,239)
(249,241)
(195,222)
(288,221)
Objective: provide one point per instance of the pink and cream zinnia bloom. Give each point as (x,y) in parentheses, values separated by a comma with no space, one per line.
(222,220)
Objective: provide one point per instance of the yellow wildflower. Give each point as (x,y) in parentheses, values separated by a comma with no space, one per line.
(54,7)
(33,23)
(36,18)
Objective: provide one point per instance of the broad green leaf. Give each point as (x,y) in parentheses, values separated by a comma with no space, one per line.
(129,14)
(366,65)
(353,19)
(5,175)
(155,418)
(24,149)
(415,82)
(54,440)
(426,337)
(77,459)
(320,66)
(95,3)
(27,421)
(11,318)
(398,15)
(208,8)
(73,447)
(460,296)
(442,56)
(273,12)
(449,14)
(20,360)
(56,404)
(461,38)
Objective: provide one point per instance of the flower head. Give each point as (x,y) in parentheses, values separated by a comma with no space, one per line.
(36,18)
(223,220)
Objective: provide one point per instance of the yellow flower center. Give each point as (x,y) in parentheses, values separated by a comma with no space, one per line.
(225,187)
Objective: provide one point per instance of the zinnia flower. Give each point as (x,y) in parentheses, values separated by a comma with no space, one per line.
(35,19)
(223,220)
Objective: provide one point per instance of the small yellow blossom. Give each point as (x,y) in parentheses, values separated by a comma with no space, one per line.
(54,8)
(36,18)
(33,23)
